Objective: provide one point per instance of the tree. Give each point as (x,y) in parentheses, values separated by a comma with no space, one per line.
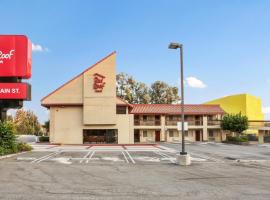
(26,123)
(130,90)
(135,92)
(162,93)
(7,138)
(236,123)
(47,126)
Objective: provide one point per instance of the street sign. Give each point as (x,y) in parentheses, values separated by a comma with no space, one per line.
(15,56)
(20,91)
(179,126)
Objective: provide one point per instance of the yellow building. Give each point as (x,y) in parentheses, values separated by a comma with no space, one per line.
(248,105)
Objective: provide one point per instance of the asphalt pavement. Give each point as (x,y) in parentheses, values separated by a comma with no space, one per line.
(211,176)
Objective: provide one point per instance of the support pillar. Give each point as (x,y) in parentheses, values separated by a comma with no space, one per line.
(205,134)
(261,137)
(163,131)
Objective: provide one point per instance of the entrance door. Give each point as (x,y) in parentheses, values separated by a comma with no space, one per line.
(157,136)
(136,135)
(198,135)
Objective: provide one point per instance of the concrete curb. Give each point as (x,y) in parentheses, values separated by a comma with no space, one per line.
(11,155)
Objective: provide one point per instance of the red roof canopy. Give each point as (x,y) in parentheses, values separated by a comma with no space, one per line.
(175,109)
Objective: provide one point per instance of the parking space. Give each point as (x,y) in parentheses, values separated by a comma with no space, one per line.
(111,154)
(164,153)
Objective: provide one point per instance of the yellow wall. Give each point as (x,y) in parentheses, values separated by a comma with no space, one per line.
(247,104)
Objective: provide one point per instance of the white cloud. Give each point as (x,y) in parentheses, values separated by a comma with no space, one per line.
(266,110)
(195,83)
(38,48)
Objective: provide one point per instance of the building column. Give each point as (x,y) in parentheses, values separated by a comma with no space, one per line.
(223,135)
(162,131)
(205,134)
(261,137)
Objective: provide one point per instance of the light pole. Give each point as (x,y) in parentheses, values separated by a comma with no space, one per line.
(174,45)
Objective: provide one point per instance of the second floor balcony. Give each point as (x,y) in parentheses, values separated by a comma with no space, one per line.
(190,122)
(213,122)
(147,122)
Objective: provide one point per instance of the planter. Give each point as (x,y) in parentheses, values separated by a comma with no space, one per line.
(234,142)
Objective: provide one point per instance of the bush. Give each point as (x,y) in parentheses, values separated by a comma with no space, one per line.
(24,147)
(7,138)
(252,137)
(237,139)
(44,139)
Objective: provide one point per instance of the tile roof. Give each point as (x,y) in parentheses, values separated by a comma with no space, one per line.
(175,109)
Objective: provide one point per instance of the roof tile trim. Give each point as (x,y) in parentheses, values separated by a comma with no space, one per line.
(175,109)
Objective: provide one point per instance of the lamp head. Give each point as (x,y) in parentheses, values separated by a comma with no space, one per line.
(174,45)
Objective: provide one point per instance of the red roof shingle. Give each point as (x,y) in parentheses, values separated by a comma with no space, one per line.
(175,109)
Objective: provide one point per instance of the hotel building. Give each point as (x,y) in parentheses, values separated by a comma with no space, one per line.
(87,110)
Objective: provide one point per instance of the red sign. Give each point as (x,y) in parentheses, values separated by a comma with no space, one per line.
(15,56)
(15,91)
(98,82)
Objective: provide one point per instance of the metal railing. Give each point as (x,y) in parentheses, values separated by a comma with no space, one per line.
(147,122)
(213,122)
(190,122)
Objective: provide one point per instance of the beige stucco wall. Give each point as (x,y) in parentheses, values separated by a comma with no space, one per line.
(70,93)
(67,127)
(177,136)
(150,136)
(100,107)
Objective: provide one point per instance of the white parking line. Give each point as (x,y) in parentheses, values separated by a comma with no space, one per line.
(130,157)
(125,157)
(87,161)
(165,156)
(56,153)
(88,153)
(38,160)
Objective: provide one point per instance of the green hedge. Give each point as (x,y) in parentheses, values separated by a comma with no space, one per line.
(237,139)
(24,147)
(44,139)
(7,138)
(8,143)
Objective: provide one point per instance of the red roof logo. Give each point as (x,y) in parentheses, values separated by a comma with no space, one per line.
(98,82)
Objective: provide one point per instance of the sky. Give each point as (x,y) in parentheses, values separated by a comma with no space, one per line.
(226,43)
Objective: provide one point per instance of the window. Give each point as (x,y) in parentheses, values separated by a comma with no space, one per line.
(170,117)
(121,110)
(144,118)
(210,133)
(176,134)
(186,133)
(144,133)
(170,133)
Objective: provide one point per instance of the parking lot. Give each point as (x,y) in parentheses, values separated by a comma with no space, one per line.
(164,153)
(121,154)
(218,171)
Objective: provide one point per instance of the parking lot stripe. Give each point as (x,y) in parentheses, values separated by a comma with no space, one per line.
(165,156)
(56,153)
(88,153)
(87,161)
(38,160)
(130,157)
(125,157)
